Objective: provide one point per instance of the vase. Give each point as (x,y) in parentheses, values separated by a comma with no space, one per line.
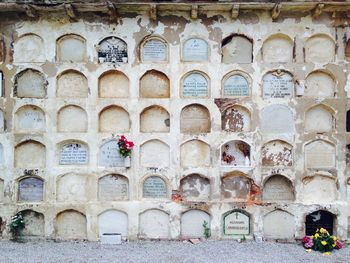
(127,161)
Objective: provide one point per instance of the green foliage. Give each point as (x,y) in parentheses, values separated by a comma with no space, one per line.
(16,225)
(206,229)
(323,241)
(243,238)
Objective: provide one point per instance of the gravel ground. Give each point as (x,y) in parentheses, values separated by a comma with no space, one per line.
(164,251)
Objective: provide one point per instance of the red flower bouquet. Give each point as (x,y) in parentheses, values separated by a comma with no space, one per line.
(125,146)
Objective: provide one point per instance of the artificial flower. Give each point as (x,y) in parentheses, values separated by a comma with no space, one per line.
(324,242)
(326,253)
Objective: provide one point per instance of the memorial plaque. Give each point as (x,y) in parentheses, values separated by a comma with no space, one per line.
(319,154)
(154,187)
(195,49)
(31,189)
(113,50)
(113,187)
(155,50)
(278,85)
(278,188)
(195,85)
(74,153)
(30,117)
(319,219)
(109,155)
(236,86)
(236,223)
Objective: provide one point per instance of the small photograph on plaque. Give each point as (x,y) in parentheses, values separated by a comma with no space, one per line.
(154,50)
(195,49)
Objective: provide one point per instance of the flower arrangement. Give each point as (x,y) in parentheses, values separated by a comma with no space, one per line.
(322,241)
(16,225)
(125,146)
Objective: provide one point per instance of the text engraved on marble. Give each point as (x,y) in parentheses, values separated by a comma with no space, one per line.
(195,85)
(236,223)
(236,85)
(154,187)
(195,49)
(73,153)
(31,189)
(278,85)
(154,50)
(109,155)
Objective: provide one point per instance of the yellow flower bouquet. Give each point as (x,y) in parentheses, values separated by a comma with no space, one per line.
(322,241)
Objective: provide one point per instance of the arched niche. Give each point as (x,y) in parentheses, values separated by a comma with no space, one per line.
(154,223)
(195,50)
(237,49)
(319,119)
(192,223)
(2,156)
(277,153)
(278,84)
(34,224)
(72,118)
(320,84)
(30,154)
(2,55)
(319,219)
(31,189)
(29,48)
(319,189)
(72,84)
(30,118)
(347,50)
(237,222)
(278,188)
(113,84)
(71,48)
(155,119)
(113,221)
(279,224)
(347,155)
(154,49)
(236,119)
(30,83)
(319,154)
(195,84)
(320,48)
(154,84)
(194,119)
(236,153)
(73,153)
(2,121)
(276,118)
(114,119)
(155,153)
(235,185)
(195,187)
(154,187)
(72,188)
(236,84)
(71,224)
(113,50)
(113,187)
(109,155)
(195,153)
(348,121)
(278,48)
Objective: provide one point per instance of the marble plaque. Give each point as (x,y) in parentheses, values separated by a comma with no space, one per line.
(31,118)
(319,154)
(109,155)
(74,153)
(113,50)
(154,187)
(278,85)
(154,50)
(278,188)
(236,223)
(113,187)
(195,49)
(236,86)
(195,85)
(31,189)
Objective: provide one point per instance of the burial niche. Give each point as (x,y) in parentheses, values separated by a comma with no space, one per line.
(155,119)
(347,50)
(235,185)
(195,118)
(72,84)
(195,50)
(278,188)
(195,153)
(235,153)
(278,84)
(113,187)
(154,187)
(155,153)
(192,223)
(348,121)
(195,187)
(154,49)
(347,155)
(29,48)
(112,49)
(154,85)
(73,153)
(235,85)
(276,118)
(317,220)
(71,224)
(30,118)
(2,121)
(30,154)
(319,154)
(320,49)
(237,222)
(113,222)
(72,188)
(72,118)
(235,119)
(278,48)
(279,224)
(237,49)
(319,119)
(113,84)
(71,48)
(320,84)
(34,224)
(319,189)
(195,85)
(277,153)
(109,155)
(30,189)
(30,83)
(154,223)
(114,119)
